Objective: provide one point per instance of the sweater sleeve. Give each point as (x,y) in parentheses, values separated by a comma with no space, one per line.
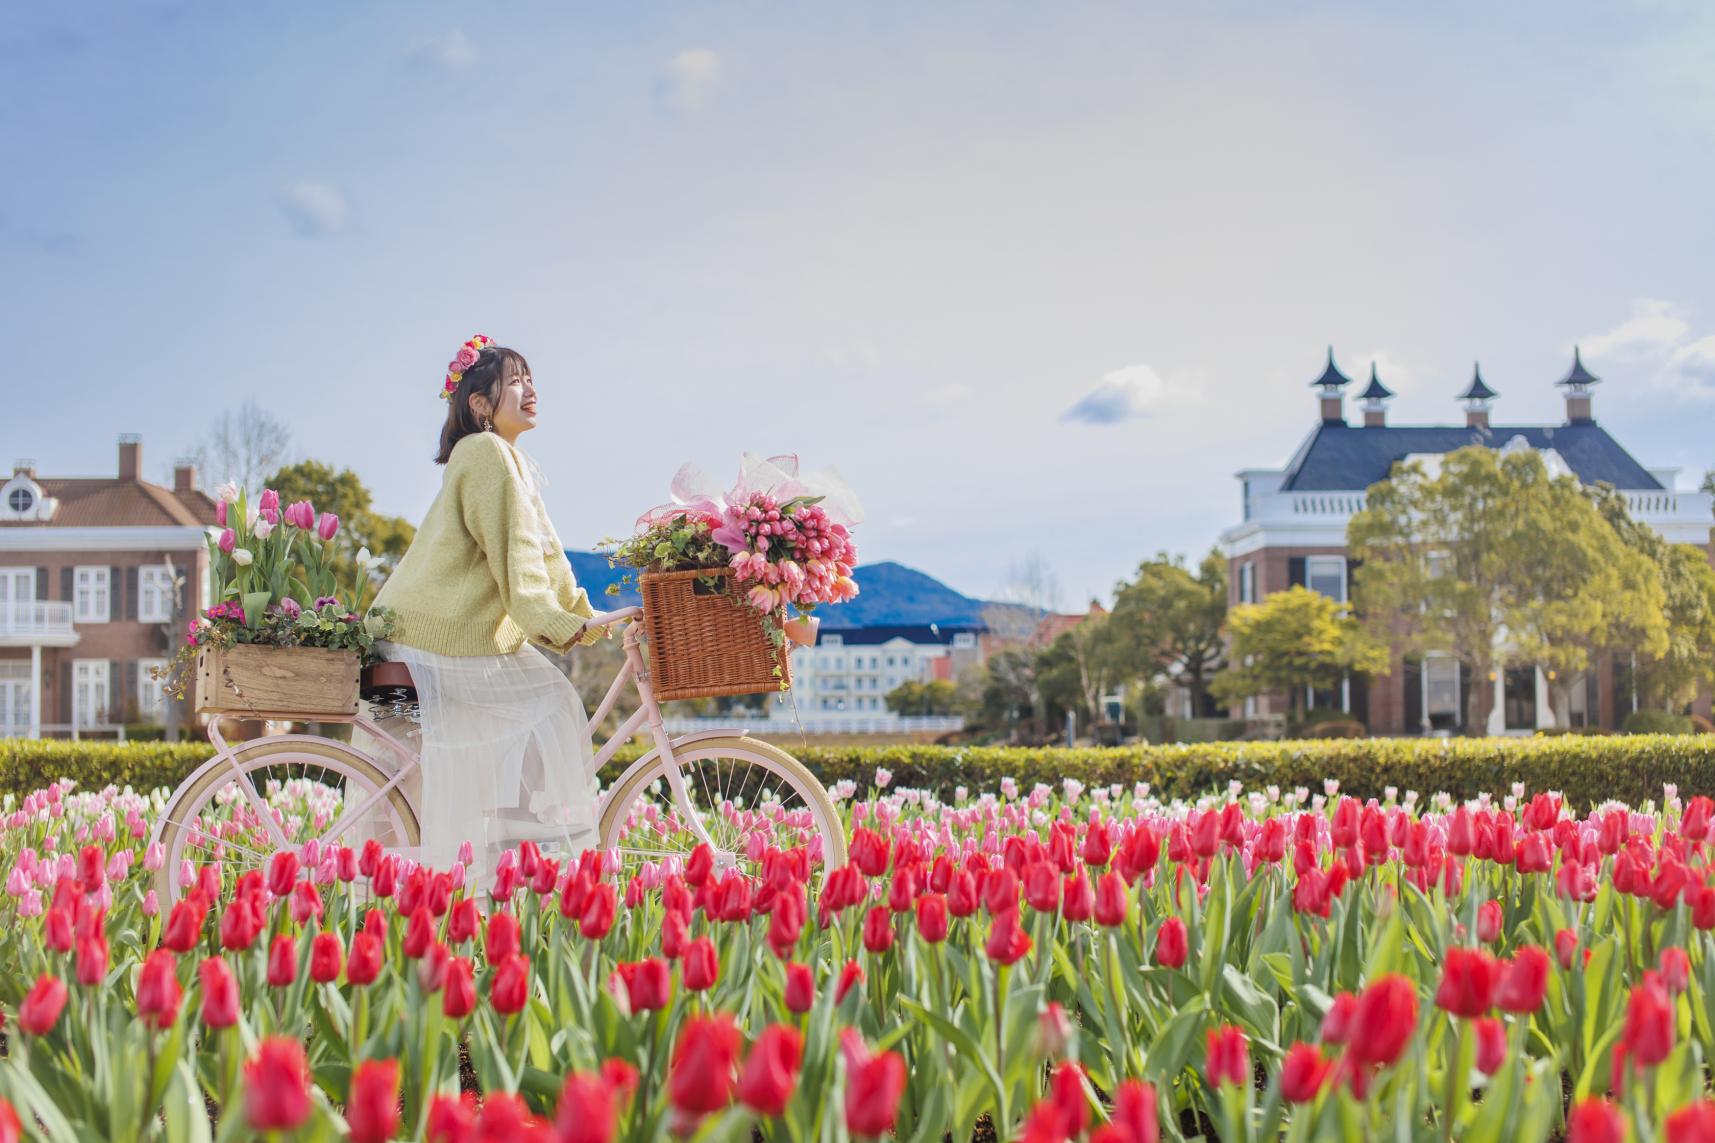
(499,515)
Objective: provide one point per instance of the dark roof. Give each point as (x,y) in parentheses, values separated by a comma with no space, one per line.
(917,633)
(1375,390)
(1578,374)
(1478,389)
(1331,377)
(1342,457)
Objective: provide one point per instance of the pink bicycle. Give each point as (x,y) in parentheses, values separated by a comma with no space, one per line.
(720,788)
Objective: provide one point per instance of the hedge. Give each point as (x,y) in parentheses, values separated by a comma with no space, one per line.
(1587,769)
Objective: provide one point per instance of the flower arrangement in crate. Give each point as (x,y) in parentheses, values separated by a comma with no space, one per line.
(769,549)
(273,574)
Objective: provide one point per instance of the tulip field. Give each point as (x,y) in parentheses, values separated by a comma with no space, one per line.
(1050,964)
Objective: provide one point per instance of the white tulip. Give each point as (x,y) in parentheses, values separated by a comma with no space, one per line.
(242,557)
(228,492)
(260,529)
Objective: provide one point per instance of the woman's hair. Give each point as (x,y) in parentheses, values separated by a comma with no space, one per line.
(494,367)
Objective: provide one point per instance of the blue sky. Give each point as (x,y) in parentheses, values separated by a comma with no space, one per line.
(1033,277)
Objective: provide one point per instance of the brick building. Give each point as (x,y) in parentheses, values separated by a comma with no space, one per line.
(1293,531)
(96,577)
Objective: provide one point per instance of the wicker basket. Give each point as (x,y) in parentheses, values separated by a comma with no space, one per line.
(276,682)
(702,642)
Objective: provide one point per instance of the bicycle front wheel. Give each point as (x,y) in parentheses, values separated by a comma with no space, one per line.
(746,794)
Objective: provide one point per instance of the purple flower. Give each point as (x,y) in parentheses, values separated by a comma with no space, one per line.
(323,601)
(290,608)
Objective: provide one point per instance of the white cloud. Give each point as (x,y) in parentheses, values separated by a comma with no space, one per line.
(943,396)
(688,82)
(1657,343)
(1133,391)
(1392,372)
(313,209)
(452,50)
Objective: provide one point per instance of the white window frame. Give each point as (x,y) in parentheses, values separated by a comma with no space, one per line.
(1310,577)
(833,640)
(964,640)
(1247,581)
(151,692)
(91,692)
(154,594)
(92,593)
(1441,661)
(22,590)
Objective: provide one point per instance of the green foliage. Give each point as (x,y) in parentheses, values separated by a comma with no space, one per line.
(1589,770)
(936,697)
(1293,640)
(1169,619)
(683,542)
(1656,722)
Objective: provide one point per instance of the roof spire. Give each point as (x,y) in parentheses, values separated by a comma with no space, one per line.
(1578,379)
(1478,389)
(1375,390)
(1332,379)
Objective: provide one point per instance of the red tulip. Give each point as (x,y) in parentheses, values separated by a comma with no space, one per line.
(1302,1073)
(1170,944)
(932,917)
(463,922)
(1675,969)
(1692,1124)
(219,993)
(1133,1118)
(770,1074)
(962,896)
(878,929)
(902,892)
(1007,941)
(702,965)
(1468,978)
(1384,1020)
(1229,1057)
(419,933)
(509,991)
(1042,887)
(277,1086)
(1648,1035)
(503,937)
(1524,980)
(1000,891)
(700,1079)
(1098,844)
(91,961)
(40,1009)
(282,961)
(1489,922)
(1112,900)
(786,921)
(1491,1044)
(458,989)
(850,976)
(11,1131)
(282,873)
(699,866)
(600,908)
(451,1120)
(1342,1014)
(158,990)
(874,1084)
(325,958)
(306,903)
(184,924)
(1595,1120)
(372,1111)
(1077,897)
(365,963)
(647,983)
(587,1109)
(800,988)
(1565,944)
(868,852)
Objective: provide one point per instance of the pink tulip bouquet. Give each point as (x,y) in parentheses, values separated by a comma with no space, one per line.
(273,573)
(786,536)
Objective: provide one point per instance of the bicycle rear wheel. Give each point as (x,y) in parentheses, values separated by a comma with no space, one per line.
(746,793)
(307,785)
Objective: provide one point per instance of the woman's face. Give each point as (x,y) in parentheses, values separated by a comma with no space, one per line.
(515,406)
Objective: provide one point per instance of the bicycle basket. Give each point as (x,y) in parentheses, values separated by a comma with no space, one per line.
(703,642)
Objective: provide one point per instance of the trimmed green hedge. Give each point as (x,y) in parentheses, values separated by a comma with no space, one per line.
(1587,769)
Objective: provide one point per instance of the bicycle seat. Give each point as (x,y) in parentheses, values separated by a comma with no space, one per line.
(389,682)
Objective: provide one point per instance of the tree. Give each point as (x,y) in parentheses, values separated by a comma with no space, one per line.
(345,495)
(1668,681)
(1169,620)
(912,698)
(1293,641)
(243,446)
(1494,558)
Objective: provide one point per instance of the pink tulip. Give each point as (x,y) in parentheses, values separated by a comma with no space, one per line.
(328,526)
(228,541)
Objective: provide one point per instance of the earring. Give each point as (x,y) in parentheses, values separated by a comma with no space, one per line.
(488,424)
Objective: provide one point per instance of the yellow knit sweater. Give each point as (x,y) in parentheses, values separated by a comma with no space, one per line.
(485,572)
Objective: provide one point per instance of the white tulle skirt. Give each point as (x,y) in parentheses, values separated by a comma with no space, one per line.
(506,755)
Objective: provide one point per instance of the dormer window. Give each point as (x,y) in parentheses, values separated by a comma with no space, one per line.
(21,499)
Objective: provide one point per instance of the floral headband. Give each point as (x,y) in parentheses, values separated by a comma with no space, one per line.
(463,360)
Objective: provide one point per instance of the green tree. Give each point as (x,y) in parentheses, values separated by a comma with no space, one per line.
(1293,641)
(1493,558)
(1670,680)
(1170,620)
(346,496)
(912,698)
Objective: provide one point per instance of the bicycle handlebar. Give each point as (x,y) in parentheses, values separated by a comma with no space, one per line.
(608,619)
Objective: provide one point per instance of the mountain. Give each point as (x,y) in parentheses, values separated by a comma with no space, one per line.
(890,595)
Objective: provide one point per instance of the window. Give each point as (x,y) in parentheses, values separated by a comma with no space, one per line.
(1520,698)
(154,594)
(964,640)
(1247,583)
(833,640)
(1326,575)
(21,500)
(17,592)
(91,595)
(1440,564)
(151,696)
(1246,506)
(1584,700)
(1441,704)
(89,691)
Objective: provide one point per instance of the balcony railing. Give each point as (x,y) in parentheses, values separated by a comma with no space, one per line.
(23,623)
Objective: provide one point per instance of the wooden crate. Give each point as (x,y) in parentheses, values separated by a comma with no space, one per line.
(276,682)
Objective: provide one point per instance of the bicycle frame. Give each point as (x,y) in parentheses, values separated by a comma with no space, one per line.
(648,713)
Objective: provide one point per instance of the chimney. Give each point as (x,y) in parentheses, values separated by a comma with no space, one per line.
(1375,398)
(1477,397)
(184,476)
(130,457)
(1577,383)
(24,466)
(1330,384)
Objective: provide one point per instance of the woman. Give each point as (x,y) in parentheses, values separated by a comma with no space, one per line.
(505,744)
